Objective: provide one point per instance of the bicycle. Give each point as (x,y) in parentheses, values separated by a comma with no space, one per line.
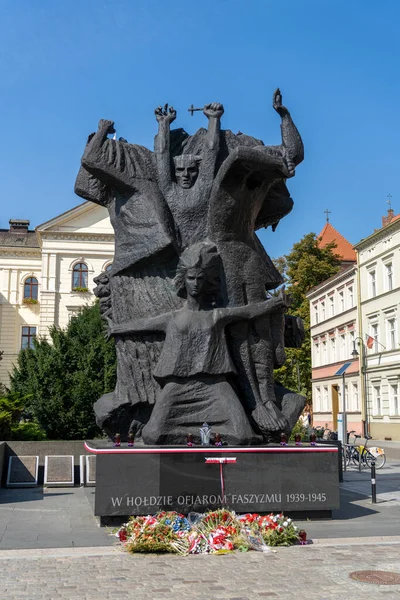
(361,455)
(349,450)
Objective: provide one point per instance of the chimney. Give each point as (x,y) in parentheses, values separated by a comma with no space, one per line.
(19,225)
(388,219)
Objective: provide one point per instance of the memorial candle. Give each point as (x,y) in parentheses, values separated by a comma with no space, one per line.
(218,441)
(302,537)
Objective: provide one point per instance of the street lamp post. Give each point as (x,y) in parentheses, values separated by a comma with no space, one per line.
(363,369)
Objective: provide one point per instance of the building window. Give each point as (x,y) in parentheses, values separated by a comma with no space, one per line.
(391,333)
(332,306)
(108,268)
(324,353)
(394,398)
(377,400)
(80,276)
(333,349)
(318,399)
(372,283)
(31,288)
(356,400)
(351,339)
(28,335)
(374,335)
(342,349)
(323,310)
(389,276)
(326,399)
(316,313)
(341,301)
(350,296)
(317,357)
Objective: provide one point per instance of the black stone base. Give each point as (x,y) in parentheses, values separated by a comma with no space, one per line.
(302,480)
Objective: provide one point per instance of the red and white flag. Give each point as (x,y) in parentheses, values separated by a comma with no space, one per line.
(370,341)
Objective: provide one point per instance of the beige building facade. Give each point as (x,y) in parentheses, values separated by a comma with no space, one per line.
(46,274)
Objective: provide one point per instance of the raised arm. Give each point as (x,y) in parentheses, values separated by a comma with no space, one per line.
(248,312)
(149,325)
(165,116)
(213,112)
(292,143)
(106,159)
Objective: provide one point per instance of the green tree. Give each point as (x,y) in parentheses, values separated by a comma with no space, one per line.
(64,378)
(13,426)
(306,266)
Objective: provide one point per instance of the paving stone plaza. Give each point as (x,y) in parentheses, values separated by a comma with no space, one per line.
(318,571)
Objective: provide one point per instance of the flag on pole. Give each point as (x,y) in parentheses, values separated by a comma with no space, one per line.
(370,341)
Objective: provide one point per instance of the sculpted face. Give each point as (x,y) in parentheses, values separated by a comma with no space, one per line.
(195,282)
(186,171)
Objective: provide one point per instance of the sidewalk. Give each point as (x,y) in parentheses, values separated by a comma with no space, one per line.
(357,516)
(49,518)
(392,449)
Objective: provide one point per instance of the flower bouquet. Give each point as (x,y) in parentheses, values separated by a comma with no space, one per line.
(276,530)
(220,529)
(158,533)
(215,532)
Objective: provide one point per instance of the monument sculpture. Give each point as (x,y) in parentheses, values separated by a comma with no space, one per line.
(190,298)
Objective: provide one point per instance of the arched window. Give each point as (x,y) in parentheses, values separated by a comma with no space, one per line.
(80,276)
(31,288)
(108,268)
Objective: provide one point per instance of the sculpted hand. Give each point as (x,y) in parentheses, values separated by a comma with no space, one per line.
(115,329)
(213,110)
(282,300)
(277,103)
(106,126)
(167,115)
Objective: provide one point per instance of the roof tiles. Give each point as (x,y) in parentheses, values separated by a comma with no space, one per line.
(343,248)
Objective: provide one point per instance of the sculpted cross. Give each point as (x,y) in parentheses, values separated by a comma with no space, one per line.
(192,109)
(327,212)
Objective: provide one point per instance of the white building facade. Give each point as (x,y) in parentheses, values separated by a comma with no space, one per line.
(379,310)
(355,321)
(334,327)
(46,275)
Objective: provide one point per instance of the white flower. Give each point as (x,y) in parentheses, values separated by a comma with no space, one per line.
(289,520)
(285,523)
(294,527)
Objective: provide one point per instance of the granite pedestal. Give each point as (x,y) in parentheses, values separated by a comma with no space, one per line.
(142,480)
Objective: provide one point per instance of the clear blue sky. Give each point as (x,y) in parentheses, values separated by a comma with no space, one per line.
(65,64)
